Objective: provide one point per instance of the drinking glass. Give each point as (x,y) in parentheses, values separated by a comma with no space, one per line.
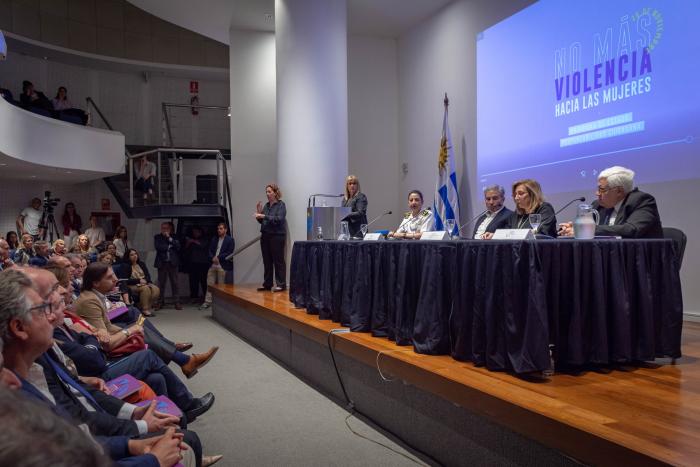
(363,230)
(450,226)
(535,221)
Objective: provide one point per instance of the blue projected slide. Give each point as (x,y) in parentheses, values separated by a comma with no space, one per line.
(567,88)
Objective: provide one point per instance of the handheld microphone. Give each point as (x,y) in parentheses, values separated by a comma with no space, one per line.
(582,199)
(377,218)
(471,220)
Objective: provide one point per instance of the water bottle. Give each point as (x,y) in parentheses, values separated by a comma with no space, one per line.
(319,233)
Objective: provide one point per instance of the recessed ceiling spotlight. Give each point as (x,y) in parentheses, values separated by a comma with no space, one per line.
(269,17)
(2,164)
(33,176)
(68,172)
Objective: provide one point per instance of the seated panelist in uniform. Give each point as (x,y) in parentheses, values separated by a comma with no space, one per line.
(497,216)
(623,210)
(417,220)
(528,198)
(357,201)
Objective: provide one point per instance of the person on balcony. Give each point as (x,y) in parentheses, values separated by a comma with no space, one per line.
(34,100)
(65,108)
(146,175)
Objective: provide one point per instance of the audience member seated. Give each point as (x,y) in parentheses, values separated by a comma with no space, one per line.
(24,318)
(41,254)
(29,219)
(135,273)
(121,241)
(99,279)
(78,265)
(95,233)
(83,246)
(85,350)
(26,251)
(65,108)
(59,248)
(72,224)
(35,101)
(5,259)
(12,240)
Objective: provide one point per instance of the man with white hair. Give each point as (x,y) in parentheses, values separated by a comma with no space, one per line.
(624,210)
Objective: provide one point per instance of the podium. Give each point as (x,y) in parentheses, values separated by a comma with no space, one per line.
(326,217)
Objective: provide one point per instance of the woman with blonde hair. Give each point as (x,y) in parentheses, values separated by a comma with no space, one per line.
(528,198)
(82,245)
(357,201)
(59,247)
(273,237)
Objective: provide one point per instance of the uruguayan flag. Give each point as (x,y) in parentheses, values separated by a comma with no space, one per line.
(446,205)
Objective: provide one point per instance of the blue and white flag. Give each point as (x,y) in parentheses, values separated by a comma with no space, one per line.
(446,204)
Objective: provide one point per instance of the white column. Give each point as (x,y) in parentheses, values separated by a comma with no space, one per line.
(312,103)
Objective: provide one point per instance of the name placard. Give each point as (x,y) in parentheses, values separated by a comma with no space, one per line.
(435,235)
(373,237)
(513,234)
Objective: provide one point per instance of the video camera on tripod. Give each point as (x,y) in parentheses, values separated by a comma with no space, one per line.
(48,222)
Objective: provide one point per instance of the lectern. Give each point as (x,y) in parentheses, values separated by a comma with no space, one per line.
(326,217)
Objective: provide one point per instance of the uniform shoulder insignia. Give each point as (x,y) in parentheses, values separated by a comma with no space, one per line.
(407,215)
(425,212)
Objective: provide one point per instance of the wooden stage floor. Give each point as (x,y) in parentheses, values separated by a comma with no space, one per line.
(632,415)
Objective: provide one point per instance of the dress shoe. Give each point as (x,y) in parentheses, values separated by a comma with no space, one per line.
(279,289)
(197,361)
(204,306)
(211,460)
(262,289)
(199,407)
(148,313)
(183,346)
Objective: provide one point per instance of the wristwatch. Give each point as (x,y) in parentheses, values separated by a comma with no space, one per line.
(126,332)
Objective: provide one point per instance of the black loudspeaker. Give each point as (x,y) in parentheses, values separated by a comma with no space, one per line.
(206,189)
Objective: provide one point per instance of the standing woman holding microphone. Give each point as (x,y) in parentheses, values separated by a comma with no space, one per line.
(273,228)
(356,200)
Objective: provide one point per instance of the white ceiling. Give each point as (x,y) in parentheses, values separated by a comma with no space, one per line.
(214,18)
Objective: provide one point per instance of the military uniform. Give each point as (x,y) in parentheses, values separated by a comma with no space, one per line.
(422,222)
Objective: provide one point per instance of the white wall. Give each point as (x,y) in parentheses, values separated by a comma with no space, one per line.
(373,108)
(130,102)
(253,140)
(439,55)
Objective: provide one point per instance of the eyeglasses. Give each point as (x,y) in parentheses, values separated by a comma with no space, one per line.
(603,189)
(45,307)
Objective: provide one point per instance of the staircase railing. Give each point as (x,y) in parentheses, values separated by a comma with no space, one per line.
(223,194)
(91,104)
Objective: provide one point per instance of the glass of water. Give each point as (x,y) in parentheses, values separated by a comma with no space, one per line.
(535,221)
(450,226)
(363,230)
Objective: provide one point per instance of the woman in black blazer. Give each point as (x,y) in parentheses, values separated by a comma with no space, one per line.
(138,279)
(356,200)
(528,198)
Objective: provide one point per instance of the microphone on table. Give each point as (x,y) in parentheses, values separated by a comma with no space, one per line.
(377,218)
(582,199)
(471,220)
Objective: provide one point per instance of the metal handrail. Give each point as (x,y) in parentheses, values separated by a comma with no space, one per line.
(244,247)
(90,102)
(222,188)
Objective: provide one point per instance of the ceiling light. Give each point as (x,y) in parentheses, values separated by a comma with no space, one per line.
(229,112)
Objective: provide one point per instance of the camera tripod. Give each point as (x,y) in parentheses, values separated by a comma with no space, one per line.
(48,226)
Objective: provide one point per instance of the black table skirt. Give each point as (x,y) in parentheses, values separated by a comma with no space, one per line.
(502,304)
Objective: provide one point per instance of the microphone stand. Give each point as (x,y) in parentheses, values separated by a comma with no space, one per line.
(375,220)
(459,230)
(582,199)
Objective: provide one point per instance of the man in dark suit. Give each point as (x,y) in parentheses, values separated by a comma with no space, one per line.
(623,210)
(496,215)
(221,269)
(167,261)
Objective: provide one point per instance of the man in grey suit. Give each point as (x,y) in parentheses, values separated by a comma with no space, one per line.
(496,215)
(624,210)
